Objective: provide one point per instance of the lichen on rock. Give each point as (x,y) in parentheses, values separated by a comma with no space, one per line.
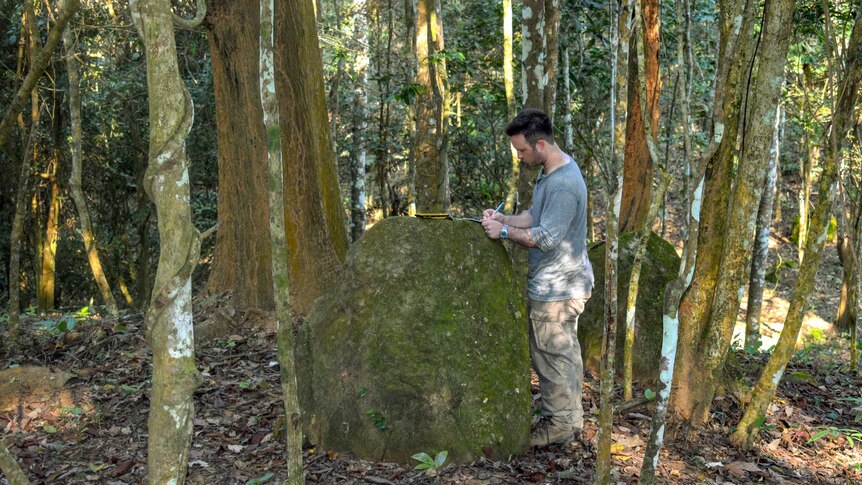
(421,345)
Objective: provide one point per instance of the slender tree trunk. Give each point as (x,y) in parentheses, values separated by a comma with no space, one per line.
(432,111)
(10,468)
(169,316)
(776,203)
(241,263)
(143,208)
(808,163)
(552,56)
(360,125)
(845,319)
(539,58)
(47,283)
(280,274)
(761,247)
(784,349)
(86,227)
(637,185)
(620,34)
(38,64)
(381,154)
(511,107)
(17,234)
(316,227)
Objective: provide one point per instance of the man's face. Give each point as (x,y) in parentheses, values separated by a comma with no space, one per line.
(532,156)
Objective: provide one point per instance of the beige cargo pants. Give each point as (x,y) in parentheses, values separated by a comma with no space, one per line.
(556,357)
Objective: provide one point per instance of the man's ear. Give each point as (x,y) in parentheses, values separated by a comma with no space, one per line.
(540,145)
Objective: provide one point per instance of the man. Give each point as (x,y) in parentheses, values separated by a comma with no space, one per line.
(560,277)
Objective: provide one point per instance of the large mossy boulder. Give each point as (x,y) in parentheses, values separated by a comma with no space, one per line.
(659,268)
(420,345)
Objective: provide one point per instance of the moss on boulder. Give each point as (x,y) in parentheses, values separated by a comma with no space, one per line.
(420,345)
(659,268)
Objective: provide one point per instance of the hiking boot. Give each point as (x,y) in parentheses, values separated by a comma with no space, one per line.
(547,433)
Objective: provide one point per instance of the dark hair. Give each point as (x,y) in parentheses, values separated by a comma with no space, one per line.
(534,124)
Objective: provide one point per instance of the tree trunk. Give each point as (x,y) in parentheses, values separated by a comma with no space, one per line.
(637,184)
(87,232)
(819,223)
(315,224)
(620,34)
(539,58)
(47,283)
(17,233)
(432,111)
(241,263)
(761,247)
(143,210)
(38,64)
(737,20)
(278,246)
(169,316)
(360,125)
(511,107)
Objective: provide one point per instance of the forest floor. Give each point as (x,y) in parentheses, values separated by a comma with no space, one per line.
(99,432)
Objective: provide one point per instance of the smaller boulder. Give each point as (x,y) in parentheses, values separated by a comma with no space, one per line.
(660,267)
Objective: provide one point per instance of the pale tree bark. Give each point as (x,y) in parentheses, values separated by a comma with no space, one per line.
(691,400)
(670,330)
(639,167)
(757,275)
(241,262)
(621,28)
(832,142)
(10,468)
(315,224)
(86,225)
(539,58)
(38,64)
(432,111)
(511,107)
(169,316)
(360,121)
(280,275)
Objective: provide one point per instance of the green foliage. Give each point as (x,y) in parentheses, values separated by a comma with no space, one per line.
(649,394)
(428,463)
(257,481)
(65,323)
(377,419)
(852,435)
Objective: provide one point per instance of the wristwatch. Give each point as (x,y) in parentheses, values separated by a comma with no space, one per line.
(504,232)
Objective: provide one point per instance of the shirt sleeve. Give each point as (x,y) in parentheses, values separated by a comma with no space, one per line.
(557,214)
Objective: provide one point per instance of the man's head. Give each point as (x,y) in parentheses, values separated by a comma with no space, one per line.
(532,134)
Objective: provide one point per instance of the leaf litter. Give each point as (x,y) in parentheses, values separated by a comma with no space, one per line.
(237,436)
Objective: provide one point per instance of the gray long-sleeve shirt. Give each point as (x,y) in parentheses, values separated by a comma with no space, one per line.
(559,268)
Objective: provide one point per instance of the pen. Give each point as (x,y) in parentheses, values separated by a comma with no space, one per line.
(497,209)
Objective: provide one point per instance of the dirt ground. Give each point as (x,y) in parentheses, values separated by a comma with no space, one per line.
(98,433)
